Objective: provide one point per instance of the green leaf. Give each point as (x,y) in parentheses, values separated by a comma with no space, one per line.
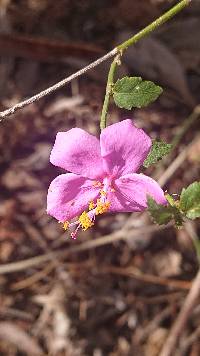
(163,214)
(159,149)
(190,201)
(130,92)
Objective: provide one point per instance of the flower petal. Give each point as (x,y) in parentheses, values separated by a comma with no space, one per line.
(69,195)
(124,148)
(78,152)
(131,193)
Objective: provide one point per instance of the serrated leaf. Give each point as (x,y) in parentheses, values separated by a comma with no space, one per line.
(159,149)
(163,214)
(158,212)
(130,92)
(190,201)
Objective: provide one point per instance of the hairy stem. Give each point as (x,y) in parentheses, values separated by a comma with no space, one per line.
(125,45)
(56,86)
(119,49)
(108,91)
(160,21)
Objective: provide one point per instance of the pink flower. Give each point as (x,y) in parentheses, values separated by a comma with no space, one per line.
(103,174)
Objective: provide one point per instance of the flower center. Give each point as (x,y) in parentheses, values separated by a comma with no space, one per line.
(101,206)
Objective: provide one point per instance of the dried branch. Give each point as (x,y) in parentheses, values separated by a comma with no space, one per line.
(88,245)
(180,322)
(120,49)
(56,86)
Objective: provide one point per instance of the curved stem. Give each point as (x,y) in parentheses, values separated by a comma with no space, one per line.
(160,21)
(111,74)
(118,50)
(125,45)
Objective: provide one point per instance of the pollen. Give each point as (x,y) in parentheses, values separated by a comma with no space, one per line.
(102,207)
(66,225)
(91,205)
(85,221)
(103,193)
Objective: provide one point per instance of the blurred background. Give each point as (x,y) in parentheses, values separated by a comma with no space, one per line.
(118,288)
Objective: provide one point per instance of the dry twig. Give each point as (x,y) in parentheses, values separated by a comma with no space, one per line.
(56,86)
(169,172)
(88,245)
(185,312)
(118,50)
(190,340)
(147,278)
(143,333)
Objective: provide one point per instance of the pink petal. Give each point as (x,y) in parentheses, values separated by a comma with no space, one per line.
(131,193)
(78,152)
(69,195)
(124,148)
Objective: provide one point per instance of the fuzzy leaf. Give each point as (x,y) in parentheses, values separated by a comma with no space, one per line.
(190,201)
(163,214)
(159,149)
(130,92)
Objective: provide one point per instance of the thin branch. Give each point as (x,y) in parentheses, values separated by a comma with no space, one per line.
(88,245)
(56,86)
(147,278)
(169,172)
(108,91)
(158,22)
(143,333)
(190,340)
(188,122)
(180,322)
(120,49)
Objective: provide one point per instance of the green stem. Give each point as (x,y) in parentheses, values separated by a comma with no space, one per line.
(122,47)
(108,91)
(170,200)
(161,20)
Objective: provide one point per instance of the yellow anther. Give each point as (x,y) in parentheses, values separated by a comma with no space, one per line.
(103,193)
(102,207)
(66,225)
(91,205)
(85,221)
